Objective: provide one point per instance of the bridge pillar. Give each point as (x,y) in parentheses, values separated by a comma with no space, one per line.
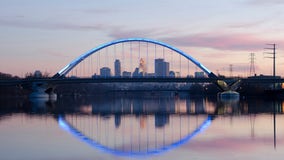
(41,91)
(229,95)
(229,90)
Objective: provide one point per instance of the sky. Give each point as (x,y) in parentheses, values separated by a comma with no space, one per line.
(47,35)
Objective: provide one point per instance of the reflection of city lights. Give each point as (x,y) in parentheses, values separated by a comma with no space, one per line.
(209,109)
(86,109)
(282,106)
(142,122)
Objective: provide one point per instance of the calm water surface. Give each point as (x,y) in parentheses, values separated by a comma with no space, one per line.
(141,126)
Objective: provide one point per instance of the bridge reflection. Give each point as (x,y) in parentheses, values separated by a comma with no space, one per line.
(136,136)
(135,126)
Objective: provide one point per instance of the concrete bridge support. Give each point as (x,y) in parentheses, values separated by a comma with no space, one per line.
(42,91)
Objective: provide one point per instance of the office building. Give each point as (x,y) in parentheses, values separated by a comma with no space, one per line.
(117,68)
(161,68)
(105,72)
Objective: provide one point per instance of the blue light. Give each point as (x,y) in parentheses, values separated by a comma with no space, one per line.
(75,62)
(69,128)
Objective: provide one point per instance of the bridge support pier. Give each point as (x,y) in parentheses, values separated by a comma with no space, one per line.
(41,91)
(229,95)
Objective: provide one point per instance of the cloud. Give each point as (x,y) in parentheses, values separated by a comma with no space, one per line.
(21,22)
(265,2)
(113,31)
(246,25)
(101,11)
(52,52)
(214,40)
(218,40)
(121,32)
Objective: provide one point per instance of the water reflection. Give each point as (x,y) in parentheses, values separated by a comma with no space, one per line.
(136,137)
(132,125)
(135,124)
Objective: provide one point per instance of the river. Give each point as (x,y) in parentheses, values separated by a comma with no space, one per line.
(156,125)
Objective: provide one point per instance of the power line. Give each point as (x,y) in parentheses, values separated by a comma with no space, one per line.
(252,68)
(273,53)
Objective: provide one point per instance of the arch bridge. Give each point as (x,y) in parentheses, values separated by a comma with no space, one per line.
(166,66)
(64,71)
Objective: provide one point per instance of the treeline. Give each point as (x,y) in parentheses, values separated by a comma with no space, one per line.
(8,76)
(29,75)
(11,91)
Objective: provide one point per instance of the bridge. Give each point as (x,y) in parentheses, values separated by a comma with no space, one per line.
(106,80)
(161,65)
(134,60)
(55,81)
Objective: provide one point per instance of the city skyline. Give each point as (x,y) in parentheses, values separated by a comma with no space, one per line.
(47,35)
(162,69)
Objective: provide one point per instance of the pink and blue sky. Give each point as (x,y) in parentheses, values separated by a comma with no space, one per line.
(47,35)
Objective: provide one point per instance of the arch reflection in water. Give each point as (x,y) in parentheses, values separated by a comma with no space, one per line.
(135,135)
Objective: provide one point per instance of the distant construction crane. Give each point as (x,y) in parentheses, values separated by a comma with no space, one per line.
(231,70)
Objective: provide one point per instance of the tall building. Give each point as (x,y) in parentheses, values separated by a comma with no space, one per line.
(166,70)
(161,68)
(136,73)
(105,72)
(117,68)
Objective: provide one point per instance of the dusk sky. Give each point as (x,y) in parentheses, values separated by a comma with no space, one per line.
(47,35)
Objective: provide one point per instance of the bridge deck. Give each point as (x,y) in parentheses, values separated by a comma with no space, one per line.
(132,80)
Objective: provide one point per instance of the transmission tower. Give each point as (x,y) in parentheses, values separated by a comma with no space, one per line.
(252,68)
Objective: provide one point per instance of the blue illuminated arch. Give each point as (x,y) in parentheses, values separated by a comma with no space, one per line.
(71,65)
(75,132)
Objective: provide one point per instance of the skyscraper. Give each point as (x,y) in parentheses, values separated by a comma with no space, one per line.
(117,68)
(161,68)
(136,73)
(105,72)
(166,69)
